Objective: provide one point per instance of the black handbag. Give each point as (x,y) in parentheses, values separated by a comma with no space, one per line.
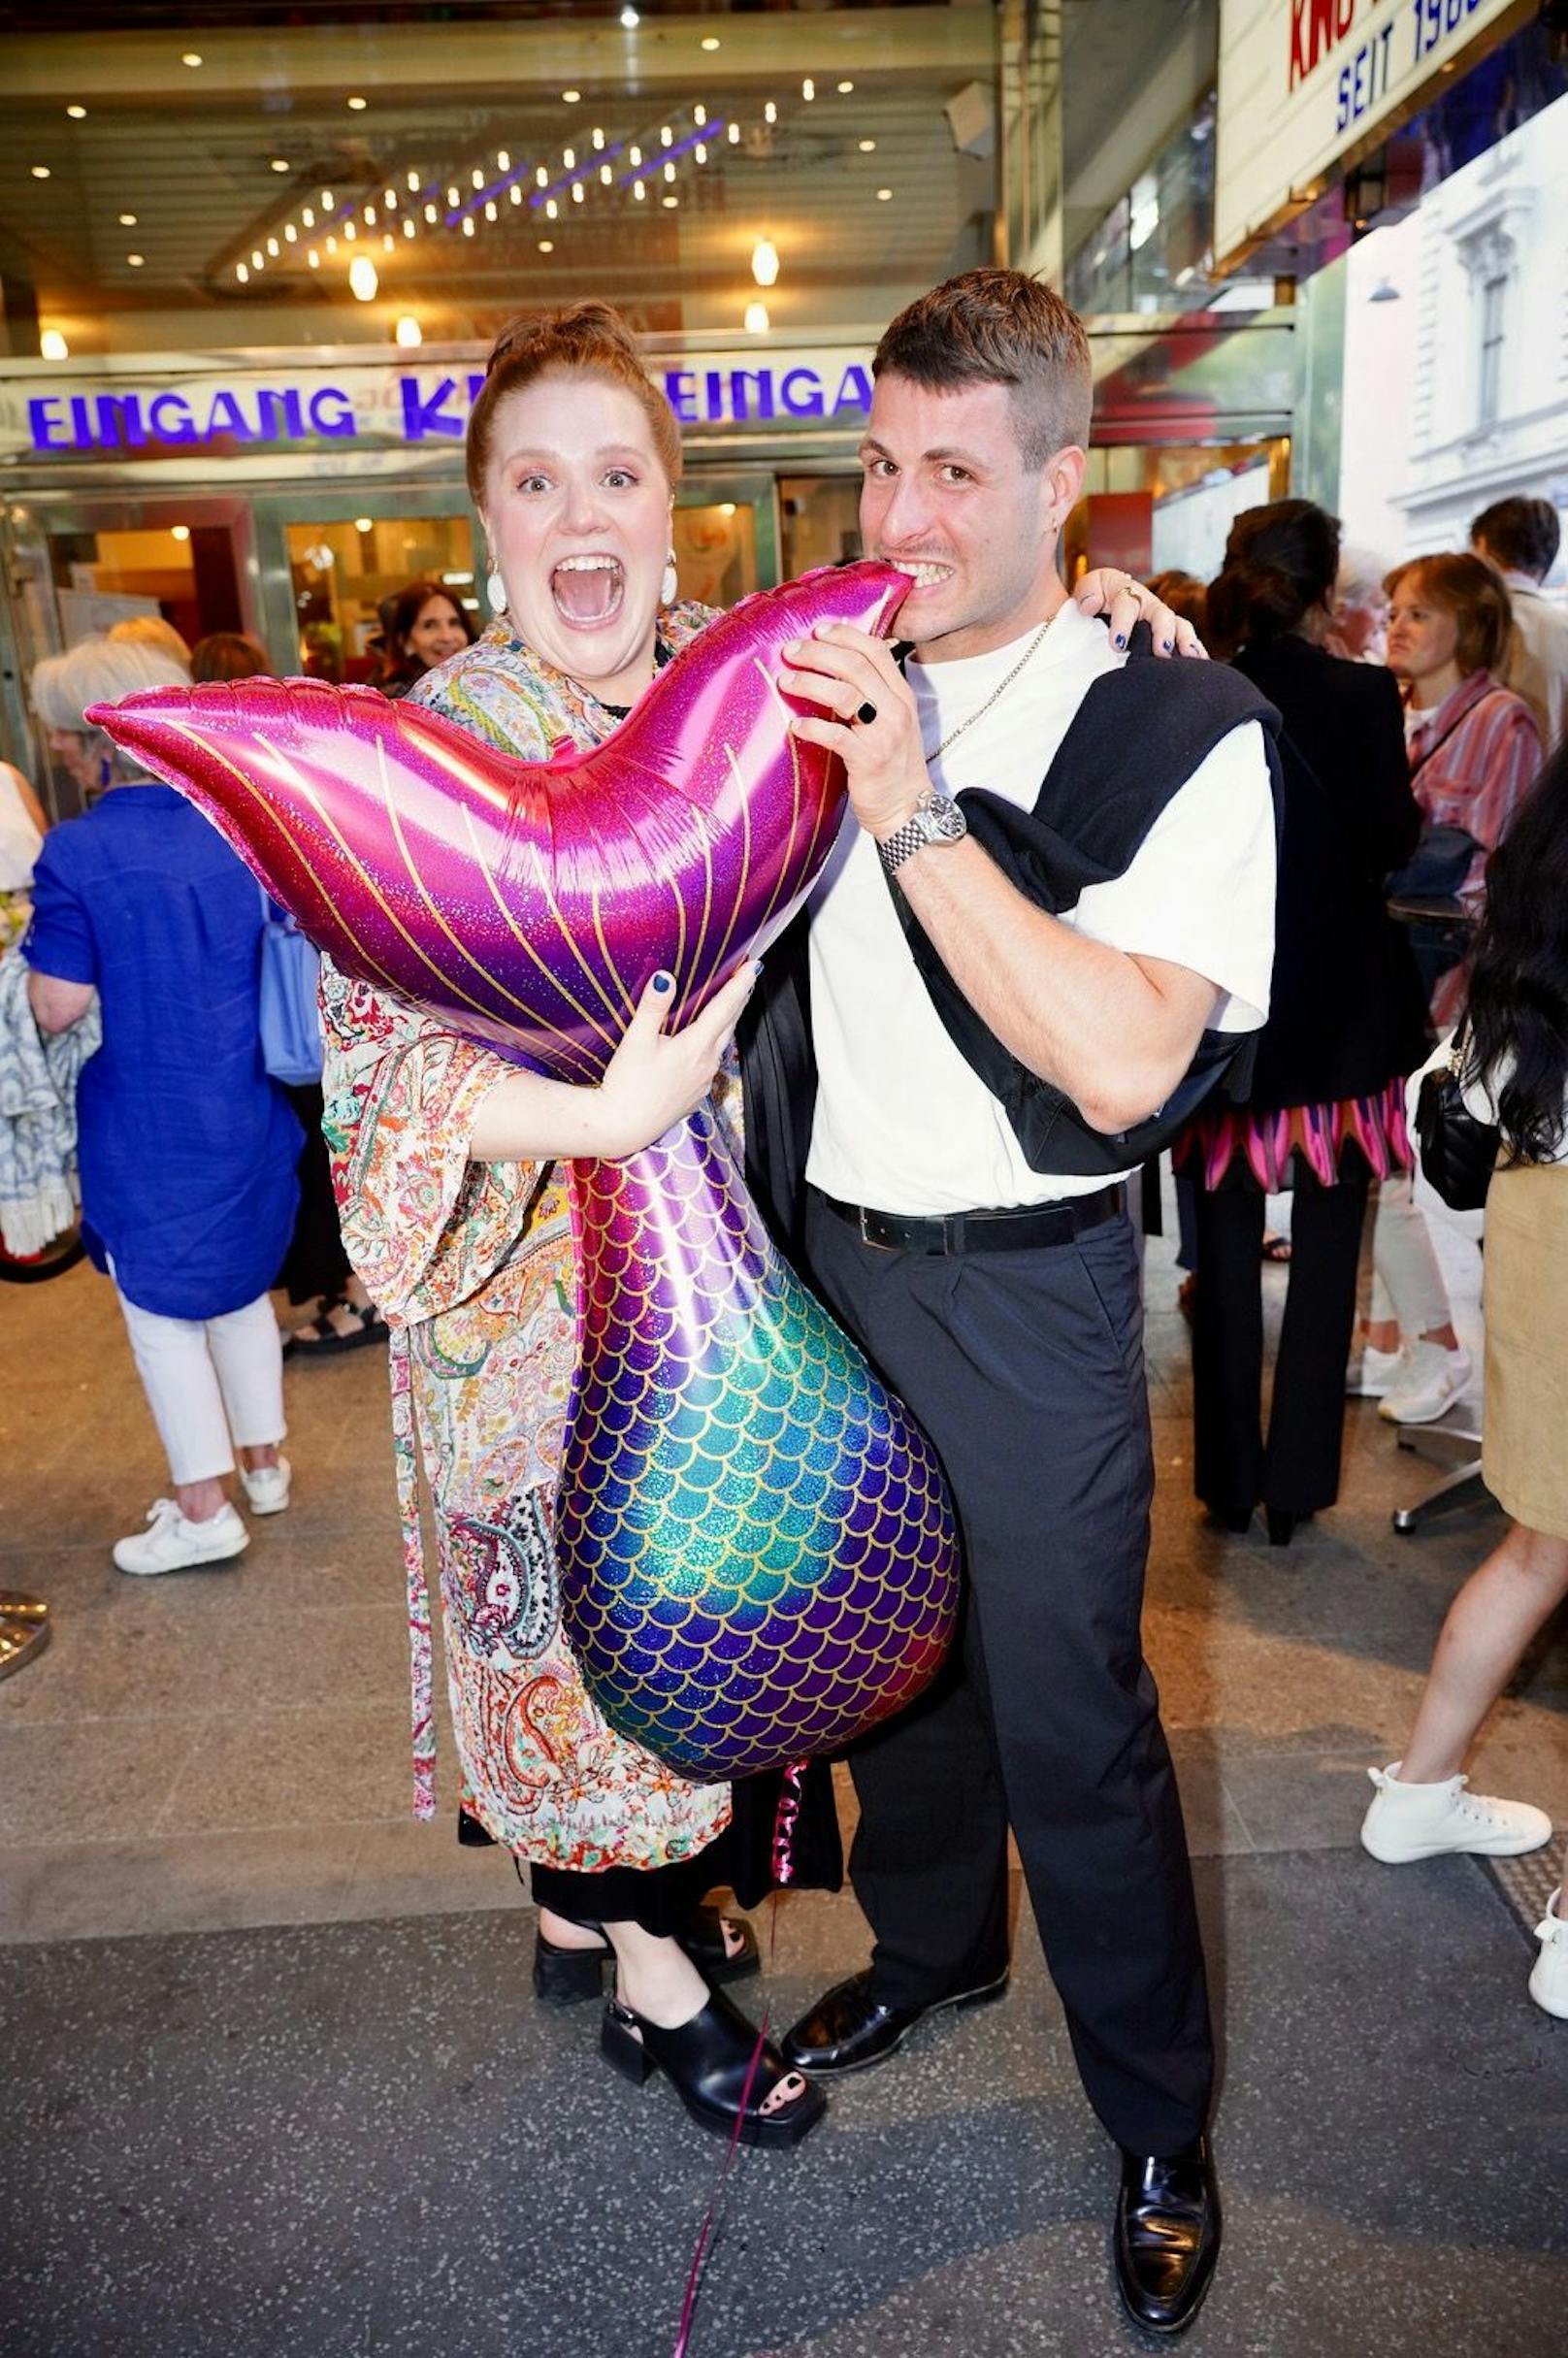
(1458,1151)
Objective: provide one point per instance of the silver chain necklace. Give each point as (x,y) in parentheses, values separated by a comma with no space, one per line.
(999,689)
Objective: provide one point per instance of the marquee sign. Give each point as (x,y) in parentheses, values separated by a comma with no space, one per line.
(1309,84)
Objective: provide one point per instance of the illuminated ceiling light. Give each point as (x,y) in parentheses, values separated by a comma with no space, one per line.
(389,244)
(357,105)
(40,172)
(412,178)
(665,136)
(699,115)
(314,258)
(700,151)
(709,42)
(328,201)
(389,198)
(370,217)
(541,177)
(432,215)
(291,236)
(546,246)
(552,211)
(640,190)
(670,202)
(364,523)
(569,157)
(180,531)
(350,231)
(242,271)
(670,172)
(576,192)
(515,192)
(476,178)
(769,113)
(51,345)
(883,196)
(363,282)
(502,159)
(78,115)
(127,220)
(191,57)
(468,226)
(733,135)
(756,321)
(764,262)
(597,136)
(844,88)
(490,213)
(634,154)
(136,260)
(606,174)
(408,332)
(280,163)
(808,88)
(867,146)
(308,217)
(411,227)
(332,245)
(630,19)
(258,260)
(272,247)
(569,98)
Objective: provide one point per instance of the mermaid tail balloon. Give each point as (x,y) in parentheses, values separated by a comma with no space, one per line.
(757,1557)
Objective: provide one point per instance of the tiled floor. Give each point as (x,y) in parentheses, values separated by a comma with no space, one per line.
(195,1759)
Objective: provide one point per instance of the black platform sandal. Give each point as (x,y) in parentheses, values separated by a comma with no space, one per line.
(709,2061)
(566,1977)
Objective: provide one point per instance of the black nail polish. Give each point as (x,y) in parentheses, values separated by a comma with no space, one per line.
(1169,646)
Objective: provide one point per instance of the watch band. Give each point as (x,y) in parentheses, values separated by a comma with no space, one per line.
(894,849)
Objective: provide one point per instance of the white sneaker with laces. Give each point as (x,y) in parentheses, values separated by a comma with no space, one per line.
(1409,1821)
(1372,1374)
(1427,1385)
(267,1487)
(171,1544)
(1549,1976)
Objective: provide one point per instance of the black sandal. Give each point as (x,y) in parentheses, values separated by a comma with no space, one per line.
(710,2060)
(327,1343)
(566,1977)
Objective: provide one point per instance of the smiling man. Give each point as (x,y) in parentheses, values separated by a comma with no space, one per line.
(1051,918)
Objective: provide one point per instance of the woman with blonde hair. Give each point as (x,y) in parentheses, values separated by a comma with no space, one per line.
(151,631)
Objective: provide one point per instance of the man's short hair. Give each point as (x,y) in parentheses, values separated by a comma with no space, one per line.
(1000,327)
(1522,535)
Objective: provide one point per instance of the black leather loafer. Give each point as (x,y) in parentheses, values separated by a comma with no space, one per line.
(1168,2237)
(851,2028)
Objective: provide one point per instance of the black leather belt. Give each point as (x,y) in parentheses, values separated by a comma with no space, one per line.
(1023,1230)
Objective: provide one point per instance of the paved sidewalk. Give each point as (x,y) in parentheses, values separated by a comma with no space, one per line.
(274,2083)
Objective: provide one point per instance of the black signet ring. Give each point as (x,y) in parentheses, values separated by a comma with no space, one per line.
(866,714)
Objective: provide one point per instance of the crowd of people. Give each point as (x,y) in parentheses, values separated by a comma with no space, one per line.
(1328,846)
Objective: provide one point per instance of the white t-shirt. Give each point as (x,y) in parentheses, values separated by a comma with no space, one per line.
(902,1123)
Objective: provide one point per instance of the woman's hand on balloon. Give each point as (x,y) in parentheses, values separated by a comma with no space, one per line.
(655,1078)
(851,675)
(1126,601)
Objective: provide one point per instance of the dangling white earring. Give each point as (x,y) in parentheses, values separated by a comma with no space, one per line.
(670,583)
(495,589)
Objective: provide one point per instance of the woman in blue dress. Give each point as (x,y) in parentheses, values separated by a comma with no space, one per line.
(187,1149)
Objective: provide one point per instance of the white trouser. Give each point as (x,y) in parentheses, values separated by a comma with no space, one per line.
(1407,1278)
(206,1379)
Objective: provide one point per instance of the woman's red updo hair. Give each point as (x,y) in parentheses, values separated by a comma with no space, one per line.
(580,340)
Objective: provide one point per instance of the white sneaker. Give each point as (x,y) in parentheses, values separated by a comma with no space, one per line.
(1408,1821)
(1372,1374)
(171,1544)
(1548,1977)
(1427,1385)
(267,1487)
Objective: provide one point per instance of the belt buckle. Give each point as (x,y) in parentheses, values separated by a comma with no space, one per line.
(861,1215)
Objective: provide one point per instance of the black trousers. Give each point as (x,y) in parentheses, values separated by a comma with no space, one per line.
(1297,1469)
(1026,1372)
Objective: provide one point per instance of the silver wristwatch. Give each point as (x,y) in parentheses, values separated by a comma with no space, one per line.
(936,820)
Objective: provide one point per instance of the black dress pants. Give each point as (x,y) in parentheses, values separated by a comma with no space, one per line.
(1297,1470)
(1026,1369)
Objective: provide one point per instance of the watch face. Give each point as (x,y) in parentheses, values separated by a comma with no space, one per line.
(944,820)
